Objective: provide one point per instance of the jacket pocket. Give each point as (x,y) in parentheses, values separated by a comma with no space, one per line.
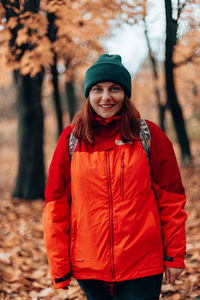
(122,176)
(156,229)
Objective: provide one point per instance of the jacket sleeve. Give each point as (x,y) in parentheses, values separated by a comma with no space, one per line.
(56,213)
(167,185)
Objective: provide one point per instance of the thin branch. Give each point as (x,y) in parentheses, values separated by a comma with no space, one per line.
(180,8)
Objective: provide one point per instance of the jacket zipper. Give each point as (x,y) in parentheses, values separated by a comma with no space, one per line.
(110,214)
(122,176)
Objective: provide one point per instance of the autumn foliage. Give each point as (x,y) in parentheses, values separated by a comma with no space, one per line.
(30,41)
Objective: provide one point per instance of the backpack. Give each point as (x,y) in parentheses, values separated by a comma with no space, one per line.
(145,136)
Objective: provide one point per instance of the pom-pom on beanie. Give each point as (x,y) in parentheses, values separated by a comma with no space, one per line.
(108,68)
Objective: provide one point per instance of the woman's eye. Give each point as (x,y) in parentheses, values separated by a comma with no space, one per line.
(115,88)
(96,89)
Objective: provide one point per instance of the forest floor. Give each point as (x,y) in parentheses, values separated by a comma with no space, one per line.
(24,271)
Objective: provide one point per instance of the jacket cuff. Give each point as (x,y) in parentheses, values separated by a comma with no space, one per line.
(62,281)
(174,262)
(168,258)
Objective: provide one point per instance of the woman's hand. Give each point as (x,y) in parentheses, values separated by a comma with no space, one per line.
(171,274)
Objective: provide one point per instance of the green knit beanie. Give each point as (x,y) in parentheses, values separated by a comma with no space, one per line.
(108,68)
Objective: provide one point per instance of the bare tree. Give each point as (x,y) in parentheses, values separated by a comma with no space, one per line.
(172,98)
(30,177)
(161,107)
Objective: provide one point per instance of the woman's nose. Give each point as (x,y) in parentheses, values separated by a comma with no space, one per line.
(106,95)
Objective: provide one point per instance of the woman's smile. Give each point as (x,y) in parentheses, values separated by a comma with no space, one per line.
(106,106)
(106,98)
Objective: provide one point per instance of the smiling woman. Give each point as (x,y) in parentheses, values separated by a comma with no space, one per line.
(108,92)
(114,216)
(106,98)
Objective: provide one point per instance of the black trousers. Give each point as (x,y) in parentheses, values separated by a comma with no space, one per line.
(146,288)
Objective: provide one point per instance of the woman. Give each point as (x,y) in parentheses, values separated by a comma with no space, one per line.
(113,219)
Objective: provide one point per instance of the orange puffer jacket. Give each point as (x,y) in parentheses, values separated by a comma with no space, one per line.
(116,216)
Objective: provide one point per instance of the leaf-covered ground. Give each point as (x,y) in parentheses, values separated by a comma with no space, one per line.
(24,271)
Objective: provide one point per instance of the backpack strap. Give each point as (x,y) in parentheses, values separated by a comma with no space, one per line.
(145,136)
(73,141)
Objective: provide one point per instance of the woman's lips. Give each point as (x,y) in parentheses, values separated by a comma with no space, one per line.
(106,106)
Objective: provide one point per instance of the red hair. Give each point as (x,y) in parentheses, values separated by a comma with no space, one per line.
(85,124)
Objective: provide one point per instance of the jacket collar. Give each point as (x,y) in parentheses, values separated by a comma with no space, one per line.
(108,121)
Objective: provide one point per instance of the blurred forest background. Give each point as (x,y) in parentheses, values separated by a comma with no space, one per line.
(45,48)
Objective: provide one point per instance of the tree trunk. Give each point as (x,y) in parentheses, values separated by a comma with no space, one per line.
(56,96)
(52,32)
(30,177)
(71,99)
(172,99)
(161,107)
(32,5)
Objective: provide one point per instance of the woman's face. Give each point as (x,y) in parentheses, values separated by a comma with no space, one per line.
(106,98)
